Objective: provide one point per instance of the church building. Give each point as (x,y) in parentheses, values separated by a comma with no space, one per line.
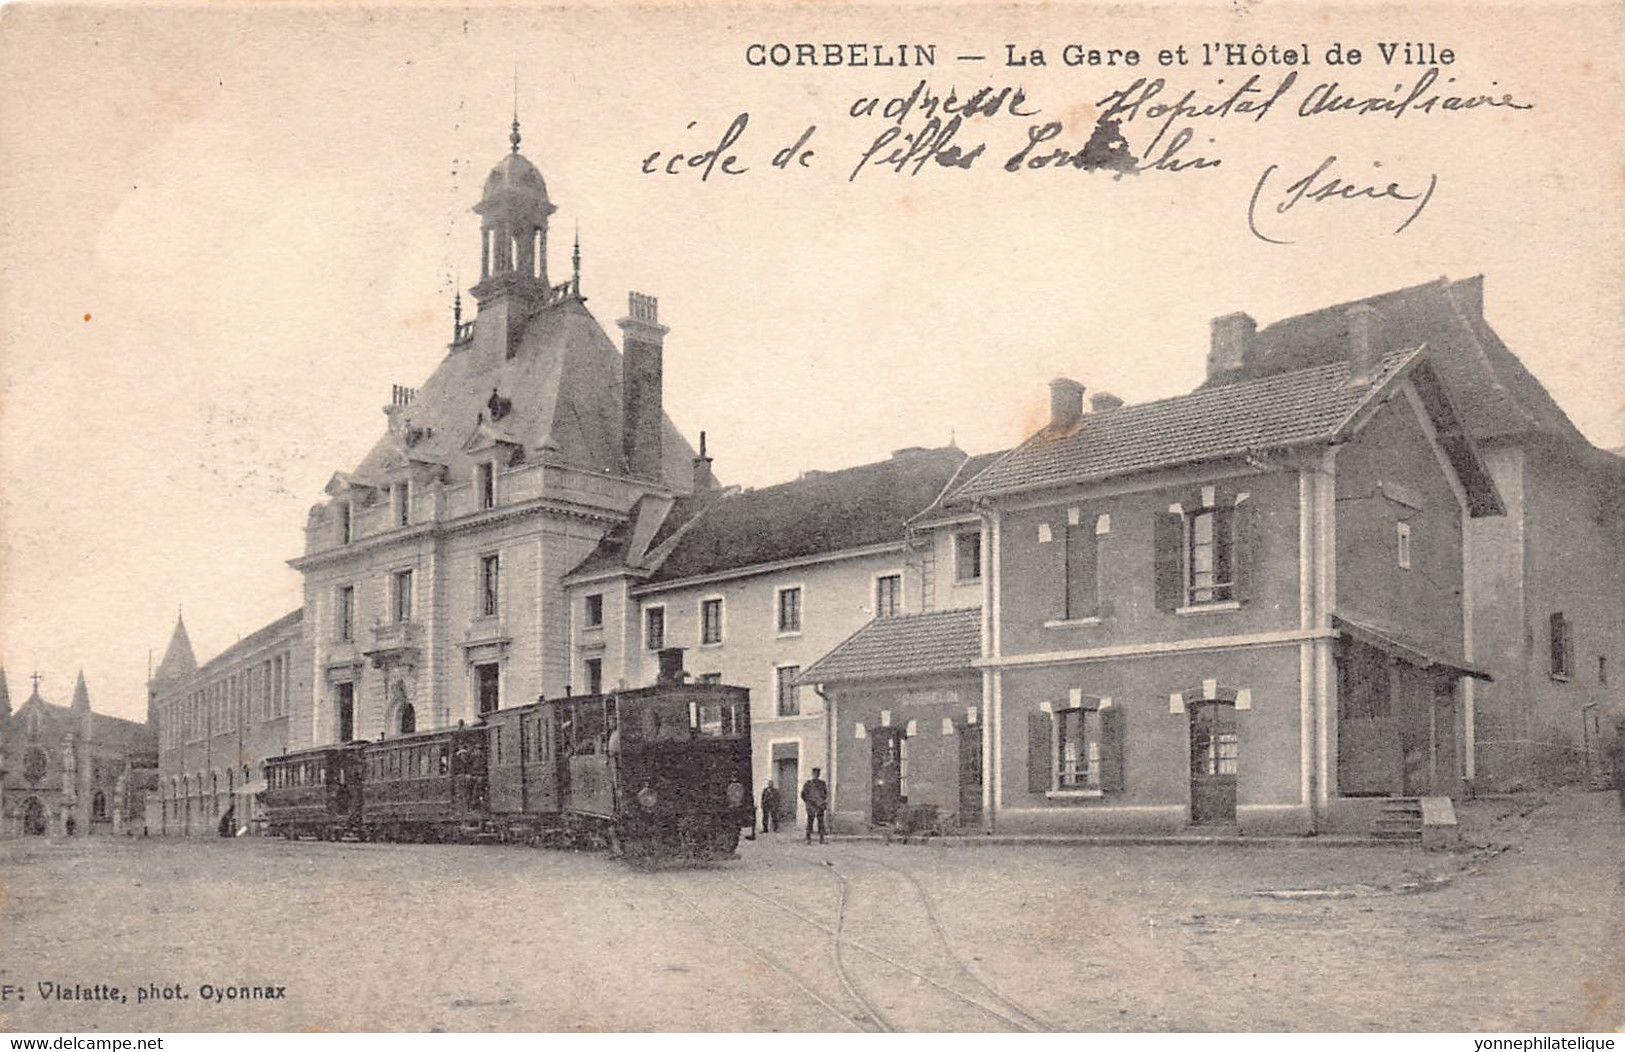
(67,770)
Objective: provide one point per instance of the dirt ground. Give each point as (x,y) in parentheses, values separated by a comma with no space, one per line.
(1523,929)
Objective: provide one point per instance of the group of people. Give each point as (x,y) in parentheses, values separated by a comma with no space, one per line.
(814,795)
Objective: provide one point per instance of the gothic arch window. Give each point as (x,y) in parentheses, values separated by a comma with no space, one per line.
(33,817)
(35,764)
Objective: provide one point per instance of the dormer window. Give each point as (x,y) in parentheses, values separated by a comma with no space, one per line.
(485,484)
(346,522)
(400,496)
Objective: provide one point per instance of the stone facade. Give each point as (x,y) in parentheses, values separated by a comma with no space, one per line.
(433,571)
(66,770)
(219,723)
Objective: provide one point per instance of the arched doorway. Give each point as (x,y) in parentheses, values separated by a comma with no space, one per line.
(33,817)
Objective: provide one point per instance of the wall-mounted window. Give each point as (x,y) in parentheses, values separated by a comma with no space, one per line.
(654,628)
(1080,567)
(400,496)
(490,585)
(488,686)
(400,596)
(889,595)
(968,555)
(344,616)
(788,693)
(1562,646)
(595,675)
(1203,556)
(593,607)
(485,484)
(1403,535)
(788,603)
(1078,748)
(710,621)
(346,522)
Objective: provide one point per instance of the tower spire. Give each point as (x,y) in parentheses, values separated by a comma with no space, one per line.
(513,137)
(575,260)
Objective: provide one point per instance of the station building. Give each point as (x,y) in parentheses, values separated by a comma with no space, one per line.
(756,584)
(1240,608)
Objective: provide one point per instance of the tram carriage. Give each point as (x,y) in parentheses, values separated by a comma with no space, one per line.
(315,792)
(661,770)
(426,787)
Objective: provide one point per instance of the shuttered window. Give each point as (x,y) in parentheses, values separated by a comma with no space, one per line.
(1205,554)
(1082,570)
(1075,749)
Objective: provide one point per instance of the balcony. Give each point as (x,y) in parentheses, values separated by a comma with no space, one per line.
(395,643)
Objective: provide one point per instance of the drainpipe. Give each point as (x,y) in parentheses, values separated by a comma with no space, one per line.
(829,741)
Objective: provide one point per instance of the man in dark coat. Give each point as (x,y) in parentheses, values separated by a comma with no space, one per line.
(770,807)
(815,794)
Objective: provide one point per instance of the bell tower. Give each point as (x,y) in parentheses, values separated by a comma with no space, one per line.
(513,214)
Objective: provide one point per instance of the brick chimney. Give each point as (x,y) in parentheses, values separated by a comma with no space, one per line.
(704,480)
(1101,401)
(1365,343)
(1232,342)
(1065,402)
(642,412)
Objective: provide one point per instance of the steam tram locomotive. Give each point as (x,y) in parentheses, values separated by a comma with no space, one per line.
(658,771)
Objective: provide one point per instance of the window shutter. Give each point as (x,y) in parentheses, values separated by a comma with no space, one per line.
(1168,540)
(1244,550)
(1082,570)
(1052,589)
(1111,749)
(1040,752)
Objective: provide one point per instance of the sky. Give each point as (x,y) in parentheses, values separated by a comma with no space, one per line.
(227,232)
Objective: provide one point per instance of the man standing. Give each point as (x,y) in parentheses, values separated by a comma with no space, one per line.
(770,807)
(815,794)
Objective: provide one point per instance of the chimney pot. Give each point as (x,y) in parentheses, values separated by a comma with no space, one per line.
(642,410)
(1232,343)
(1101,401)
(1065,402)
(1365,343)
(703,478)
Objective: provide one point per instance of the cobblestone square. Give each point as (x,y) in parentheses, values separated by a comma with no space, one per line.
(859,935)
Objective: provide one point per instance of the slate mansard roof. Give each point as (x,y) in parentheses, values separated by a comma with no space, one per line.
(563,389)
(910,645)
(1306,406)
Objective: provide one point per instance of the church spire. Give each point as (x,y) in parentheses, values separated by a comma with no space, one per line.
(178,662)
(81,694)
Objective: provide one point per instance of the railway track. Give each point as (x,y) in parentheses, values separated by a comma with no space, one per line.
(865,974)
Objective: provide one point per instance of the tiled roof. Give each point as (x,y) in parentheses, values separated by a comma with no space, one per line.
(1213,423)
(912,645)
(1491,388)
(814,515)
